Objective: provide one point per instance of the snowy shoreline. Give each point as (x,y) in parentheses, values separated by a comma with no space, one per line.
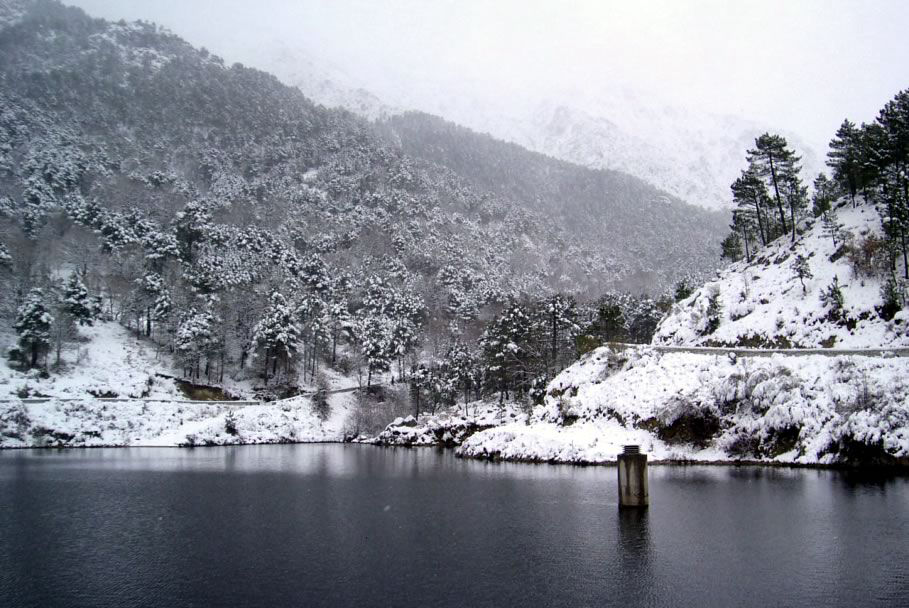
(901,467)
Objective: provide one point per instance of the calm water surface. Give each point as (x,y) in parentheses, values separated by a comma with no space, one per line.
(335,525)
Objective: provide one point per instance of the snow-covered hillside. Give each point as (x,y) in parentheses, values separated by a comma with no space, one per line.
(698,407)
(762,302)
(109,362)
(715,406)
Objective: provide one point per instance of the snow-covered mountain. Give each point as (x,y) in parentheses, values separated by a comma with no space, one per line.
(687,152)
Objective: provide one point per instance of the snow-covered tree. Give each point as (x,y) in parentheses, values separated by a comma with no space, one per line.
(832,298)
(559,317)
(277,334)
(374,336)
(460,364)
(33,325)
(802,270)
(825,193)
(773,159)
(76,301)
(844,158)
(195,339)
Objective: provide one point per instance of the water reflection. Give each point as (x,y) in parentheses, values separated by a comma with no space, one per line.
(358,525)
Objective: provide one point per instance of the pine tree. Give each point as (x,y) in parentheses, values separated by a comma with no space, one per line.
(750,192)
(731,247)
(559,314)
(888,141)
(832,297)
(460,364)
(832,227)
(682,290)
(76,302)
(825,193)
(420,381)
(643,320)
(374,334)
(772,159)
(277,333)
(802,270)
(892,298)
(507,348)
(610,323)
(195,338)
(742,226)
(33,324)
(843,158)
(796,199)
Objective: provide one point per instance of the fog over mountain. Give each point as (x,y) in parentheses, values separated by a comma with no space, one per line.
(665,91)
(687,152)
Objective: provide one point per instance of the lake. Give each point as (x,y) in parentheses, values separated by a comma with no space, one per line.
(348,525)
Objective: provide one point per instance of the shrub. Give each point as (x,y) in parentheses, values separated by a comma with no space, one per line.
(714,310)
(230,423)
(868,256)
(320,403)
(832,298)
(892,298)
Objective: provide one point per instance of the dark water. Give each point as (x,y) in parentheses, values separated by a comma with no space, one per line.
(340,525)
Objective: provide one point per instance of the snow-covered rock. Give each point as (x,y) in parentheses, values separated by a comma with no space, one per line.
(448,428)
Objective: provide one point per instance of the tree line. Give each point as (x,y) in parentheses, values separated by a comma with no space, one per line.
(869,165)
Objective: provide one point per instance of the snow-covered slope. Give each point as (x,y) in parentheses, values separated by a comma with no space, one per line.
(108,361)
(688,152)
(762,303)
(685,406)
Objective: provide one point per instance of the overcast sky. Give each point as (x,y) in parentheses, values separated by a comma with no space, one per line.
(801,65)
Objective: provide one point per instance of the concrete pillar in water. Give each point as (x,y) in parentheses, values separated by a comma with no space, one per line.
(633,478)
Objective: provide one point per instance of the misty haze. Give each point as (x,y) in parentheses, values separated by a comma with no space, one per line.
(454,303)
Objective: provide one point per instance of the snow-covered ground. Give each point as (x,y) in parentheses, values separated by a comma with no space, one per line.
(763,302)
(149,423)
(682,406)
(109,361)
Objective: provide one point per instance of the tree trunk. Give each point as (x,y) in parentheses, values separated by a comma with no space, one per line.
(760,219)
(905,258)
(776,192)
(792,217)
(555,338)
(265,371)
(745,241)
